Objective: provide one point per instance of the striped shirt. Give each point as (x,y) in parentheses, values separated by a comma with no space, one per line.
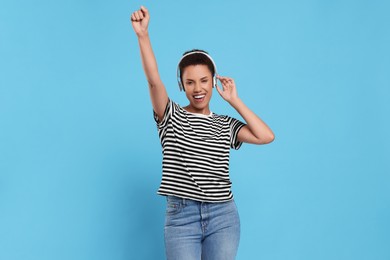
(196,151)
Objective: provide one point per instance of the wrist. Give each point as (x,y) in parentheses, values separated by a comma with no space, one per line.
(143,34)
(234,101)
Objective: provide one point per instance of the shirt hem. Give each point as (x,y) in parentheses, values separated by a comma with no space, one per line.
(194,198)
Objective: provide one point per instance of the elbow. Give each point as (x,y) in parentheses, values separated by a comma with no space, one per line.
(151,84)
(266,140)
(271,138)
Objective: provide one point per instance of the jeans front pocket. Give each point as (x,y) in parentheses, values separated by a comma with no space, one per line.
(173,207)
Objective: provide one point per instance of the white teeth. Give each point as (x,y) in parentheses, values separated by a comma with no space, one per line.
(199,96)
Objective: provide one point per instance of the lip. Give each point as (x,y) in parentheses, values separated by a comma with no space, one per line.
(199,97)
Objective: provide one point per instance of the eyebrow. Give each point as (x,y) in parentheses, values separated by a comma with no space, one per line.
(205,77)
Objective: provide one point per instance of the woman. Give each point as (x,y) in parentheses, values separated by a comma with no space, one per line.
(202,221)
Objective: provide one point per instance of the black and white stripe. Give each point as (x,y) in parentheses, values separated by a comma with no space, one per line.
(196,151)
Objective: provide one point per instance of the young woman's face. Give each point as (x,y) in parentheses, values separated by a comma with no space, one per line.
(198,85)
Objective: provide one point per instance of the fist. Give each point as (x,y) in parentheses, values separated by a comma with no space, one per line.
(140,21)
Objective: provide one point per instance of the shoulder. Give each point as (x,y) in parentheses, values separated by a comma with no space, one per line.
(176,108)
(172,105)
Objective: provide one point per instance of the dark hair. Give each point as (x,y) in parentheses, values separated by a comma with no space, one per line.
(195,59)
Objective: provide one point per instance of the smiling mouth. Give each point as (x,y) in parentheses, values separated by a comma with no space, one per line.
(199,98)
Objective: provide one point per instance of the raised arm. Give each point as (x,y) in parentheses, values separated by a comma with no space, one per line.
(256,131)
(158,94)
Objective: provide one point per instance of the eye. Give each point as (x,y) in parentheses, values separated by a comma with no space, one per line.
(205,80)
(188,82)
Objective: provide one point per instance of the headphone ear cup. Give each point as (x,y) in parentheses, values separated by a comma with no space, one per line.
(180,85)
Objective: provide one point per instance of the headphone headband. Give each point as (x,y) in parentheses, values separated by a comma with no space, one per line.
(181,87)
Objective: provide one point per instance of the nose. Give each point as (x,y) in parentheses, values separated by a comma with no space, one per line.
(197,87)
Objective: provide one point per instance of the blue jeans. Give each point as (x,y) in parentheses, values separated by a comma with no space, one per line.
(197,230)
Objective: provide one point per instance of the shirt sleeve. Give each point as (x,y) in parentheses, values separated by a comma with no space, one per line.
(166,117)
(235,126)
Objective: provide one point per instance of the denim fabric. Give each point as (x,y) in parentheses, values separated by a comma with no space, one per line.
(197,230)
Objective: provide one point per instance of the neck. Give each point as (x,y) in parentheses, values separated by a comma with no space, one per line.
(204,111)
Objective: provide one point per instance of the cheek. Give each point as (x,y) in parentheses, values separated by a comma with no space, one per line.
(188,96)
(208,85)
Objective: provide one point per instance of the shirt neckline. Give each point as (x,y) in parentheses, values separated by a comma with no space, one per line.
(199,114)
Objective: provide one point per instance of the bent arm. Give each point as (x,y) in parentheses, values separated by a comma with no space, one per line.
(158,93)
(256,131)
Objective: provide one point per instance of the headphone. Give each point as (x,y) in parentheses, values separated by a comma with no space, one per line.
(181,87)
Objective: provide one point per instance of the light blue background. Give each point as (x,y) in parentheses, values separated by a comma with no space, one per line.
(80,159)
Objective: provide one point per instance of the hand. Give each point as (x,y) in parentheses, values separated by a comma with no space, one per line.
(228,91)
(140,21)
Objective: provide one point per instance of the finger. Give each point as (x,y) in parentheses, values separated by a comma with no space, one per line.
(135,19)
(225,87)
(132,17)
(225,78)
(223,82)
(226,82)
(136,16)
(219,89)
(140,14)
(228,79)
(221,77)
(145,11)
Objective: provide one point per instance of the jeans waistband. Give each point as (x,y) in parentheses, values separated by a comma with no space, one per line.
(185,201)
